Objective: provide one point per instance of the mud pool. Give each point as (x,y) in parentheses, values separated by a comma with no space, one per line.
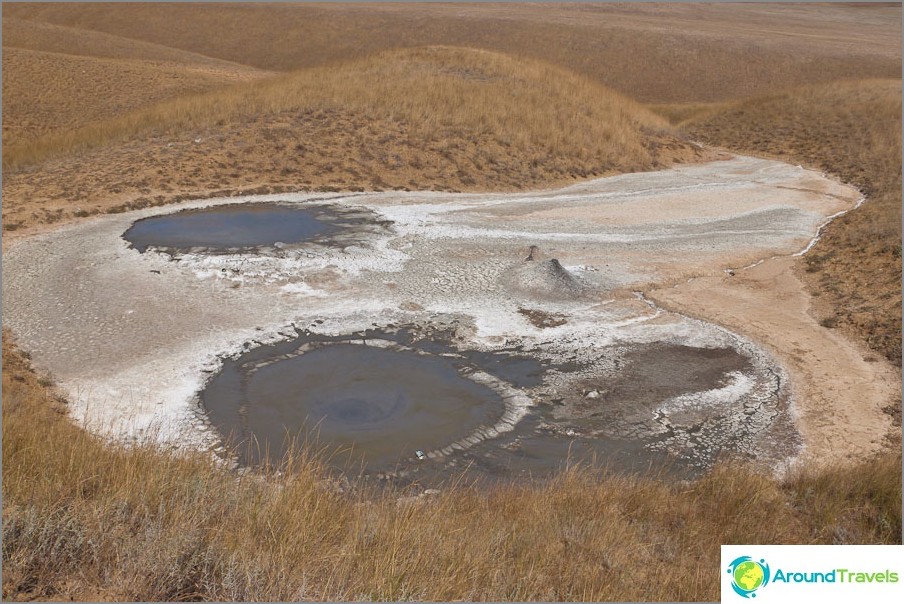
(237,228)
(374,399)
(405,402)
(421,333)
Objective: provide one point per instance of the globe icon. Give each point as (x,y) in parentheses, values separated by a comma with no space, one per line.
(749,575)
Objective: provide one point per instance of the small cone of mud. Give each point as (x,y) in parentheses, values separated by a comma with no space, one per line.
(538,278)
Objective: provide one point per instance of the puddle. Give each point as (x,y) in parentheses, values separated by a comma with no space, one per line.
(232,228)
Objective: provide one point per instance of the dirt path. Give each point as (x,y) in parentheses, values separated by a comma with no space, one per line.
(839,389)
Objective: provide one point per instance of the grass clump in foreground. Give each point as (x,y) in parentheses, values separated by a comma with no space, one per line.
(82,518)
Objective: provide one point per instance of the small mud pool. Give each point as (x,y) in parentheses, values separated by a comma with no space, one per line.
(241,227)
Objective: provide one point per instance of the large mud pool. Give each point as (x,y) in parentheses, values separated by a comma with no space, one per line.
(405,402)
(410,336)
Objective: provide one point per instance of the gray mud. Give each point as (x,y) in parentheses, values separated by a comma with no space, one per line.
(520,305)
(243,228)
(374,398)
(388,403)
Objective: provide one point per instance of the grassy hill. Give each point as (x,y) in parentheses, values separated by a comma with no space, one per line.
(44,36)
(706,54)
(433,118)
(48,93)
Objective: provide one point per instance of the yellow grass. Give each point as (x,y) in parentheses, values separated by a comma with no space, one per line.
(658,53)
(434,118)
(48,93)
(79,40)
(439,91)
(83,518)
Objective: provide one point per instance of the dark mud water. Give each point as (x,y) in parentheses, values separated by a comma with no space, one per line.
(377,397)
(374,399)
(242,227)
(383,404)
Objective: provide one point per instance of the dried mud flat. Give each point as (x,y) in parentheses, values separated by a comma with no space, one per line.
(552,277)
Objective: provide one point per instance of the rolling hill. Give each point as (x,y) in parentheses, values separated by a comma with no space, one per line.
(433,118)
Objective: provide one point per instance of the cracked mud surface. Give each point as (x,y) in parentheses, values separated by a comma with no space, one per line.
(133,338)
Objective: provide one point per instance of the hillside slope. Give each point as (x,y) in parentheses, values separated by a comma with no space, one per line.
(433,118)
(47,93)
(853,130)
(652,53)
(48,37)
(86,520)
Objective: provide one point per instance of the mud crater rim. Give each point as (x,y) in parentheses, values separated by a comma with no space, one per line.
(542,424)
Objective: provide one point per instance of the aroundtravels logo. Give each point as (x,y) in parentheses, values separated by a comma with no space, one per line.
(748,575)
(811,573)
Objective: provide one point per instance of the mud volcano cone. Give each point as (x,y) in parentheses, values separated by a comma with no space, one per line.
(543,278)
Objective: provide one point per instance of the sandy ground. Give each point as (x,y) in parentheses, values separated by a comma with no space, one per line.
(132,338)
(840,388)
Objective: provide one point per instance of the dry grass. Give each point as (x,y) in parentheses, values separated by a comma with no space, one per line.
(81,41)
(47,93)
(853,130)
(59,79)
(439,91)
(434,118)
(656,53)
(82,519)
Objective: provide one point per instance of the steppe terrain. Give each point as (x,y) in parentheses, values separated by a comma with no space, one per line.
(109,109)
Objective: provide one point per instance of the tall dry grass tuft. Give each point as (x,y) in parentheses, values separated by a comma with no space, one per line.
(853,130)
(852,504)
(84,519)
